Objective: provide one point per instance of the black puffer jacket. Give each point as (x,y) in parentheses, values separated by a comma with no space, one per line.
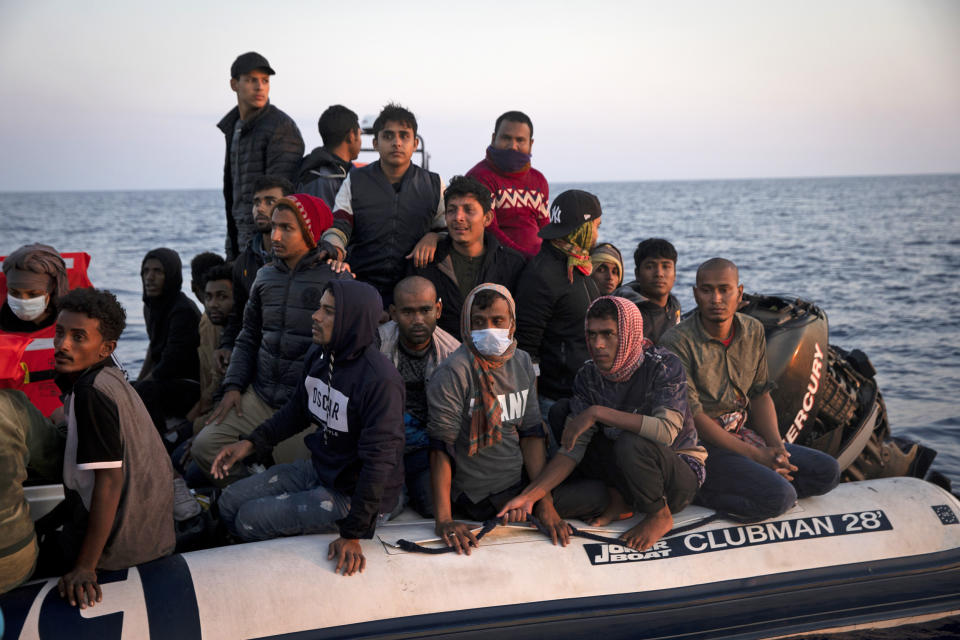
(172,321)
(321,174)
(270,144)
(501,265)
(277,328)
(550,319)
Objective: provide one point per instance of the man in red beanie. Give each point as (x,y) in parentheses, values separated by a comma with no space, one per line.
(267,361)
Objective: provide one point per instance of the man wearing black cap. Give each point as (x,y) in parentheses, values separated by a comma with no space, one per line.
(261,140)
(554,292)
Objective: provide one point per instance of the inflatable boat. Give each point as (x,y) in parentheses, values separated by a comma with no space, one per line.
(875,552)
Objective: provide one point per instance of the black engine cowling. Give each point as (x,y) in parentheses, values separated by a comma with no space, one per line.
(827,398)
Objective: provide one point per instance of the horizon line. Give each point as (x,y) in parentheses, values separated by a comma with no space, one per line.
(738,179)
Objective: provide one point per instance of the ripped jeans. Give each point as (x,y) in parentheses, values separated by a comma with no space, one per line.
(284,500)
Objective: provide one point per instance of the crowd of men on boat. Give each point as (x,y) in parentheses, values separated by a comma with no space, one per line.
(375,339)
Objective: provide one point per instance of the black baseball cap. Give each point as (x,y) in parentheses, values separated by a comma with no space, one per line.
(569,210)
(247,62)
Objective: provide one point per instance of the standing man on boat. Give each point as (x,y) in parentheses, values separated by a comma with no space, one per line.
(389,211)
(520,192)
(261,140)
(267,362)
(470,254)
(655,268)
(267,191)
(325,168)
(354,479)
(751,472)
(416,346)
(554,292)
(629,426)
(484,424)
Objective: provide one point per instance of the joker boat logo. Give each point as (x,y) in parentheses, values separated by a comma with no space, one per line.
(750,535)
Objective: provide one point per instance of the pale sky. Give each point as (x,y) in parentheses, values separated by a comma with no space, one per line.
(126,95)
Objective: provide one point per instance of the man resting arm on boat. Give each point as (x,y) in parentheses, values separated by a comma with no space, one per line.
(630,428)
(355,396)
(484,420)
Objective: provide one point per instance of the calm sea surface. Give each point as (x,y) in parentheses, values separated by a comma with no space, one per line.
(881,255)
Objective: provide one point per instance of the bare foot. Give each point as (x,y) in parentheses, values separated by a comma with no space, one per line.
(617,509)
(651,528)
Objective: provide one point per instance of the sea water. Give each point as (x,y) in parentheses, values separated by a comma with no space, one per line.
(881,255)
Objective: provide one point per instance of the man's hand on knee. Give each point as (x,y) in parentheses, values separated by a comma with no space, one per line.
(231,400)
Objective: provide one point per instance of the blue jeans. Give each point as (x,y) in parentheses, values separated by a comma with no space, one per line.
(752,491)
(284,500)
(416,466)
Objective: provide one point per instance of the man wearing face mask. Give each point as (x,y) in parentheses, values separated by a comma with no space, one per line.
(35,277)
(520,192)
(484,423)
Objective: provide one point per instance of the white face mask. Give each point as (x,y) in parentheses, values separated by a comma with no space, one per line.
(491,342)
(27,309)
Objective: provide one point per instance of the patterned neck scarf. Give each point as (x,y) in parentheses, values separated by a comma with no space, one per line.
(486,424)
(631,345)
(577,245)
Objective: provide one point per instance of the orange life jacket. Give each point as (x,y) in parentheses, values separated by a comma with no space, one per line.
(26,359)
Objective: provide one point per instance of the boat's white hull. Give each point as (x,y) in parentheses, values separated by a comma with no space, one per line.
(868,552)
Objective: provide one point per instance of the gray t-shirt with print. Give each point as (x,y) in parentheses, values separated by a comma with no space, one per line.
(450,397)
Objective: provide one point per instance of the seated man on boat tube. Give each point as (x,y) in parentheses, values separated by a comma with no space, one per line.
(416,346)
(119,506)
(484,422)
(629,427)
(354,396)
(751,472)
(267,362)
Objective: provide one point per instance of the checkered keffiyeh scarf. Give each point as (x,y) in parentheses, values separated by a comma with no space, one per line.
(629,354)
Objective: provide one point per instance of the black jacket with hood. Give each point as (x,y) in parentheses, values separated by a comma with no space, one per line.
(172,321)
(550,318)
(276,329)
(321,174)
(355,396)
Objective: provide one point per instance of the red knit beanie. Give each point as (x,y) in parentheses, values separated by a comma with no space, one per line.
(313,214)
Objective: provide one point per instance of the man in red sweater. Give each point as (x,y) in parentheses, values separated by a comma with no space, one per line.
(520,192)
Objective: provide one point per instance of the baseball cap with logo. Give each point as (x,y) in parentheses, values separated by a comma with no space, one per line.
(569,210)
(249,61)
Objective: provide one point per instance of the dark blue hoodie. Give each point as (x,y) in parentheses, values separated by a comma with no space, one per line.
(355,396)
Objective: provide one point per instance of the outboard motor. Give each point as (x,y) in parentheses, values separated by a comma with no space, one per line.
(827,398)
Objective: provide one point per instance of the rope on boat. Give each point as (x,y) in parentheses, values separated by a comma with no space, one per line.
(493,523)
